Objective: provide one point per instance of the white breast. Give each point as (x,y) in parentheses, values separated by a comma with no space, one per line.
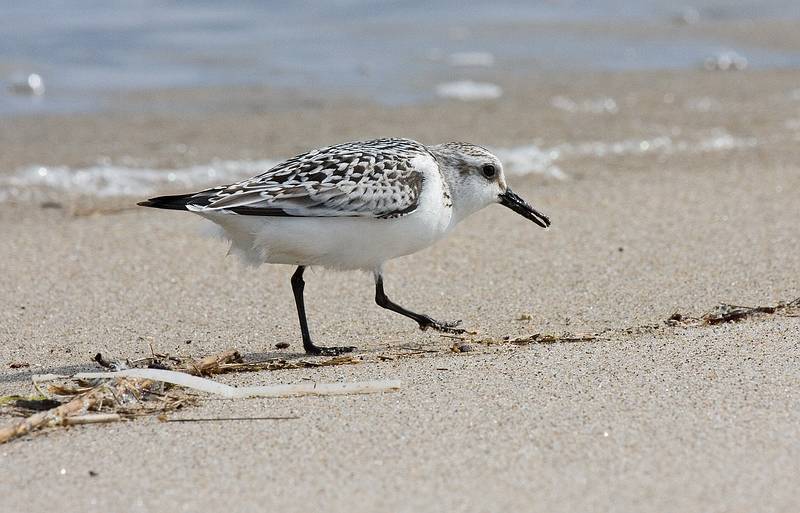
(342,242)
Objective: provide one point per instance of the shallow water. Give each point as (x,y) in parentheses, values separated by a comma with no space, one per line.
(387,51)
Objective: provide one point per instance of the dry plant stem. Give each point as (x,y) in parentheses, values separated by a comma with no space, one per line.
(59,415)
(277,364)
(543,338)
(53,416)
(230,361)
(211,364)
(722,313)
(95,418)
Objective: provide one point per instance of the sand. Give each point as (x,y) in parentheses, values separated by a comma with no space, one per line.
(677,418)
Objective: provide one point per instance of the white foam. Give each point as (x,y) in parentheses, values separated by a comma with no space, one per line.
(726,60)
(530,159)
(534,159)
(718,140)
(115,180)
(467,90)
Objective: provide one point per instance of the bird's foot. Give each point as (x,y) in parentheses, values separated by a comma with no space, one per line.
(328,351)
(444,327)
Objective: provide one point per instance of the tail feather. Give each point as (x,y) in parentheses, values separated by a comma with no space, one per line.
(176,202)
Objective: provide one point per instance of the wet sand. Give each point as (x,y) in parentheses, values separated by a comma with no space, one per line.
(681,418)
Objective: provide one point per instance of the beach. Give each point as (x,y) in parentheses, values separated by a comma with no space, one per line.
(678,194)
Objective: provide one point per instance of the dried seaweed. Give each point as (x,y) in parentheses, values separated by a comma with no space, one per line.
(408,354)
(279,363)
(117,395)
(725,313)
(461,347)
(731,313)
(224,362)
(549,338)
(91,398)
(722,313)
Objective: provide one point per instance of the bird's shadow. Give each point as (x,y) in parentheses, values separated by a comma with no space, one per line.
(274,355)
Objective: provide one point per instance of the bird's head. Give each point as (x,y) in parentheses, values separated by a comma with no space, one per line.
(476,180)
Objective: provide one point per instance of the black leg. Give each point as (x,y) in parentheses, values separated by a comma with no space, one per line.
(297,287)
(424,321)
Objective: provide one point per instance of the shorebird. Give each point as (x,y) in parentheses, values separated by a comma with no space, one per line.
(354,206)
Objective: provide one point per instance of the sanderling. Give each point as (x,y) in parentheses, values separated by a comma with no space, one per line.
(354,206)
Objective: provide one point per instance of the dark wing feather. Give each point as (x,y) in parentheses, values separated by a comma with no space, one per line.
(361,179)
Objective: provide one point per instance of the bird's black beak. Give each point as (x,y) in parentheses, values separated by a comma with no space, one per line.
(521,207)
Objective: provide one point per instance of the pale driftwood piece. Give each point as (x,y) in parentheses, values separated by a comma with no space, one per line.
(92,418)
(210,364)
(227,391)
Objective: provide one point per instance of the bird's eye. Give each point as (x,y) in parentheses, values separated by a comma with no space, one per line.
(489,171)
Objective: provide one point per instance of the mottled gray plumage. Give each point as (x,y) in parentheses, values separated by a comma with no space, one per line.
(357,179)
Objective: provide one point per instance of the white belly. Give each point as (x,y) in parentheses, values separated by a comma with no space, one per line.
(337,242)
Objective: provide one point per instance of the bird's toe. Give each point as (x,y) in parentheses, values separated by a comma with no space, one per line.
(444,327)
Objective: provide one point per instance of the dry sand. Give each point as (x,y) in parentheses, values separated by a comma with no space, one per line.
(676,419)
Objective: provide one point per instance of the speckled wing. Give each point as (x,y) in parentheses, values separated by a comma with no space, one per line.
(362,179)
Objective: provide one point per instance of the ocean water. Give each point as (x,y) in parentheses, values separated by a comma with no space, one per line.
(387,51)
